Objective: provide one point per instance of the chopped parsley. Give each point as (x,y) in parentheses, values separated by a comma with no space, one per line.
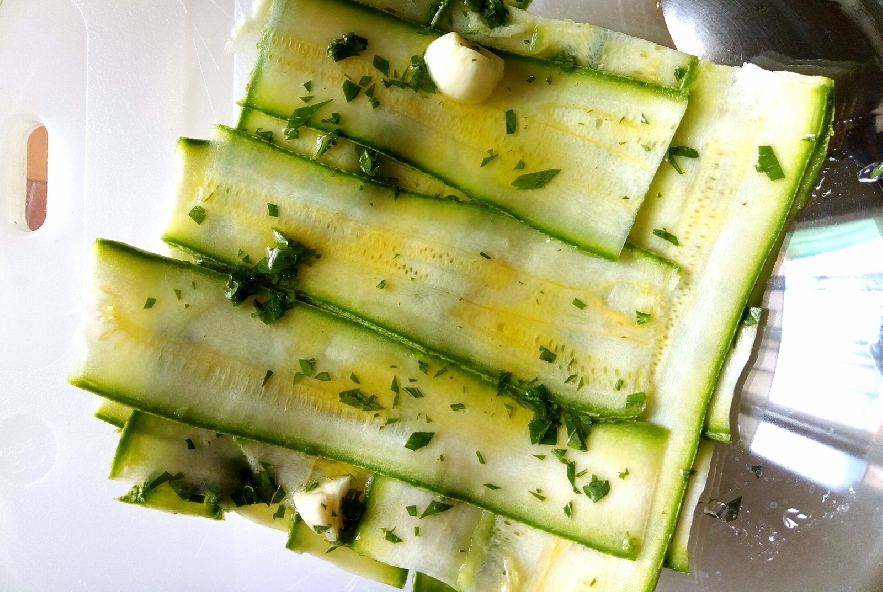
(355,398)
(197,214)
(190,444)
(347,46)
(266,377)
(440,372)
(538,495)
(412,510)
(666,236)
(680,72)
(368,160)
(491,486)
(334,119)
(565,61)
(300,117)
(577,428)
(382,64)
(418,440)
(519,165)
(177,293)
(624,474)
(307,366)
(597,488)
(423,366)
(511,122)
(638,400)
(435,507)
(490,156)
(163,478)
(414,392)
(264,134)
(394,387)
(768,164)
(311,486)
(536,180)
(280,512)
(480,457)
(323,376)
(272,210)
(308,85)
(568,510)
(381,285)
(326,141)
(350,90)
(619,384)
(494,12)
(642,317)
(390,535)
(578,303)
(307,99)
(150,302)
(547,355)
(485,255)
(684,151)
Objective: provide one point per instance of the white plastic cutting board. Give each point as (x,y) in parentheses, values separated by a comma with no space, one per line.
(115,83)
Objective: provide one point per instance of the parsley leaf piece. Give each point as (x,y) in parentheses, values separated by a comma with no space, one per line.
(390,535)
(494,12)
(150,302)
(394,387)
(636,400)
(267,377)
(619,384)
(307,366)
(435,507)
(190,444)
(272,210)
(416,76)
(642,317)
(440,372)
(382,64)
(300,117)
(480,457)
(163,478)
(485,255)
(491,486)
(680,72)
(264,134)
(423,366)
(354,378)
(323,376)
(381,285)
(566,62)
(271,309)
(547,355)
(511,122)
(624,474)
(326,141)
(368,160)
(457,406)
(280,512)
(536,180)
(684,151)
(414,392)
(334,119)
(577,430)
(568,510)
(768,163)
(307,98)
(578,303)
(490,156)
(418,440)
(538,495)
(197,214)
(347,46)
(666,236)
(365,81)
(308,85)
(412,510)
(350,90)
(597,488)
(519,165)
(355,398)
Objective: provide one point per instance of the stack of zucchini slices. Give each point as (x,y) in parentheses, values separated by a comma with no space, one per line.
(482,343)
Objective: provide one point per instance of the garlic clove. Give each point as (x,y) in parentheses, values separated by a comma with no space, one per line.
(463,71)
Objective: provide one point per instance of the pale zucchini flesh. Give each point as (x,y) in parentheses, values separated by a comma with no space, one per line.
(606,135)
(180,363)
(475,287)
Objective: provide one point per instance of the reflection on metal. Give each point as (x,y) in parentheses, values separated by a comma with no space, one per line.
(871,173)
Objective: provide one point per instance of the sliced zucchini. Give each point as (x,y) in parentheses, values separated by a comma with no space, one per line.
(113,413)
(588,143)
(425,583)
(475,287)
(678,555)
(415,529)
(528,34)
(717,422)
(210,364)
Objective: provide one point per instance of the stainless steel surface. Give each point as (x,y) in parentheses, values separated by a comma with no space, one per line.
(811,411)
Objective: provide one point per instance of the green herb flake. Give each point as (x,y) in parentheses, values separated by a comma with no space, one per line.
(547,355)
(458,406)
(300,117)
(412,510)
(414,392)
(197,214)
(163,478)
(624,474)
(680,72)
(323,376)
(423,366)
(354,378)
(642,317)
(490,156)
(536,180)
(491,486)
(149,302)
(511,122)
(368,160)
(350,90)
(381,285)
(365,81)
(308,85)
(356,398)
(568,510)
(334,119)
(768,163)
(394,387)
(190,444)
(480,457)
(390,535)
(619,384)
(638,400)
(418,440)
(311,486)
(266,377)
(382,65)
(644,119)
(177,293)
(565,62)
(485,255)
(571,378)
(560,453)
(684,151)
(325,142)
(519,165)
(597,488)
(540,456)
(440,372)
(307,98)
(347,46)
(578,303)
(264,134)
(307,366)
(435,507)
(272,210)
